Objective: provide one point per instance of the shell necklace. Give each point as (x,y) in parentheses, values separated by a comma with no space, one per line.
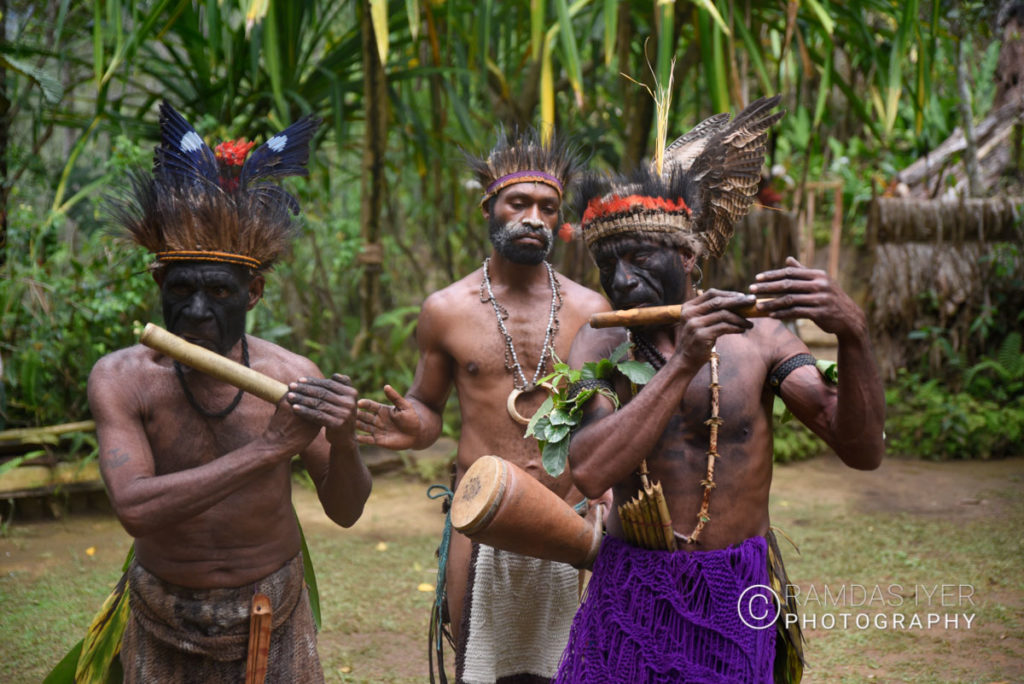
(519,383)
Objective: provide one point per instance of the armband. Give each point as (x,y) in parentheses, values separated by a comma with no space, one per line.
(783,370)
(589,383)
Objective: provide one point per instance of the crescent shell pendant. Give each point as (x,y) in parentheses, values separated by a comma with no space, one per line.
(513,396)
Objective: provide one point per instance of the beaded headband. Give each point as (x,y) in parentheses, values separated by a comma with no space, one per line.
(531,176)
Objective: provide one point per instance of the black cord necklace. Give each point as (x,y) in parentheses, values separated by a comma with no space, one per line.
(649,351)
(191,398)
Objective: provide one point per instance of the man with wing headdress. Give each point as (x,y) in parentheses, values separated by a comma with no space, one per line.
(679,586)
(199,473)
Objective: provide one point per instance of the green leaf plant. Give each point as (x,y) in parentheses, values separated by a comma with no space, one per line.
(562,412)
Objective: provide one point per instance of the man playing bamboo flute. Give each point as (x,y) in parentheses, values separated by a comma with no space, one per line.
(667,599)
(492,335)
(199,473)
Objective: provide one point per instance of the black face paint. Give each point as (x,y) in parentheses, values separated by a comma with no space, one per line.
(504,236)
(636,273)
(206,303)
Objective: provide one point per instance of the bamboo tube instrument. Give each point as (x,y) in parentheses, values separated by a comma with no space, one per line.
(658,315)
(213,364)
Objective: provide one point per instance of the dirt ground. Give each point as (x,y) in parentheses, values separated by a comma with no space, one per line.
(353,649)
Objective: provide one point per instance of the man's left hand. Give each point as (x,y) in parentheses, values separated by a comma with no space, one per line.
(801,292)
(328,402)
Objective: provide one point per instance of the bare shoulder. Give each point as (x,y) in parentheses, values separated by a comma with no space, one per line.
(580,298)
(594,344)
(774,340)
(133,362)
(279,363)
(449,307)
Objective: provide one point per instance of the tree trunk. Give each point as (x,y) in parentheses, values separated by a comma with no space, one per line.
(375,97)
(5,106)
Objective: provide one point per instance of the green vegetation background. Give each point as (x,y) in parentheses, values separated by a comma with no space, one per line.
(868,86)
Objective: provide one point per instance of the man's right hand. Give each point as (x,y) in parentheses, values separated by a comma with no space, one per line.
(706,318)
(392,427)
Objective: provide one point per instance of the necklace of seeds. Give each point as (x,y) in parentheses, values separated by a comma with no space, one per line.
(657,359)
(519,383)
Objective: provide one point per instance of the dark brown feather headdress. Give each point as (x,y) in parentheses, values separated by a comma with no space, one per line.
(201,205)
(707,182)
(523,157)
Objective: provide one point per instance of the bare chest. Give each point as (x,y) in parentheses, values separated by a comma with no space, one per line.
(182,437)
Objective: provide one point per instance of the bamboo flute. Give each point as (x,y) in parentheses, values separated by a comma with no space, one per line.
(213,364)
(658,315)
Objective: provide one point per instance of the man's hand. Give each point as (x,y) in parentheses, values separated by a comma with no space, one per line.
(326,402)
(801,292)
(392,427)
(706,318)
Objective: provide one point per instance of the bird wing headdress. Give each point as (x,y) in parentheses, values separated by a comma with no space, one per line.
(223,205)
(707,181)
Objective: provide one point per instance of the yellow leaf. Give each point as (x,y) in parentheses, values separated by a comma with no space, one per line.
(382,546)
(379,17)
(344,669)
(425,588)
(91,551)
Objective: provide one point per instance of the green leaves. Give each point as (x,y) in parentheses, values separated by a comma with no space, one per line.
(560,414)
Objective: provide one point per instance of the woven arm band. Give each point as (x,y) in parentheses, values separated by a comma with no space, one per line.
(783,370)
(589,383)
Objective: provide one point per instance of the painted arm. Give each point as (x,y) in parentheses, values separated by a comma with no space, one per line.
(610,444)
(415,420)
(146,502)
(850,417)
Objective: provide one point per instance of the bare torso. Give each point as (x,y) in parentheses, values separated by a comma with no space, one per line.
(743,471)
(249,532)
(469,337)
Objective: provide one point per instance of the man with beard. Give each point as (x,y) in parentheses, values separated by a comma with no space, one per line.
(199,473)
(690,603)
(492,334)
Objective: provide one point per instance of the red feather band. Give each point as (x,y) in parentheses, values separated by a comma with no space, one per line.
(602,208)
(220,257)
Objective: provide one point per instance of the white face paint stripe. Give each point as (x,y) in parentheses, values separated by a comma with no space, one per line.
(278,142)
(190,142)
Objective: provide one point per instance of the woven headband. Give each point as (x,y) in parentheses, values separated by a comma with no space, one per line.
(220,257)
(531,176)
(635,215)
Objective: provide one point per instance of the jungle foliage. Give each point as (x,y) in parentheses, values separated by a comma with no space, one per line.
(867,86)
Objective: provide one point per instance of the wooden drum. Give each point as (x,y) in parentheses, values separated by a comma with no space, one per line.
(500,504)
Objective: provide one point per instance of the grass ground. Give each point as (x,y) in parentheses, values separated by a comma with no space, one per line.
(912,538)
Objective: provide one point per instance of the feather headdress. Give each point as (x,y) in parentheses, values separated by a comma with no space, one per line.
(706,182)
(205,205)
(522,157)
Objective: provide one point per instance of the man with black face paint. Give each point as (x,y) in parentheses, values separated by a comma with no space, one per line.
(492,335)
(199,473)
(686,599)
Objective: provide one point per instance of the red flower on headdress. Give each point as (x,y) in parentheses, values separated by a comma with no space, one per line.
(233,152)
(566,232)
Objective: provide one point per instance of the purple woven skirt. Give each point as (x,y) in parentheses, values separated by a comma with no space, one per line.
(664,616)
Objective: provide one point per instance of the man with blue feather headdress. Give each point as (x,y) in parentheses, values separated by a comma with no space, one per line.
(198,472)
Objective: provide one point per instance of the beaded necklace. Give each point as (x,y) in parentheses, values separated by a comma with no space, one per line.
(519,383)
